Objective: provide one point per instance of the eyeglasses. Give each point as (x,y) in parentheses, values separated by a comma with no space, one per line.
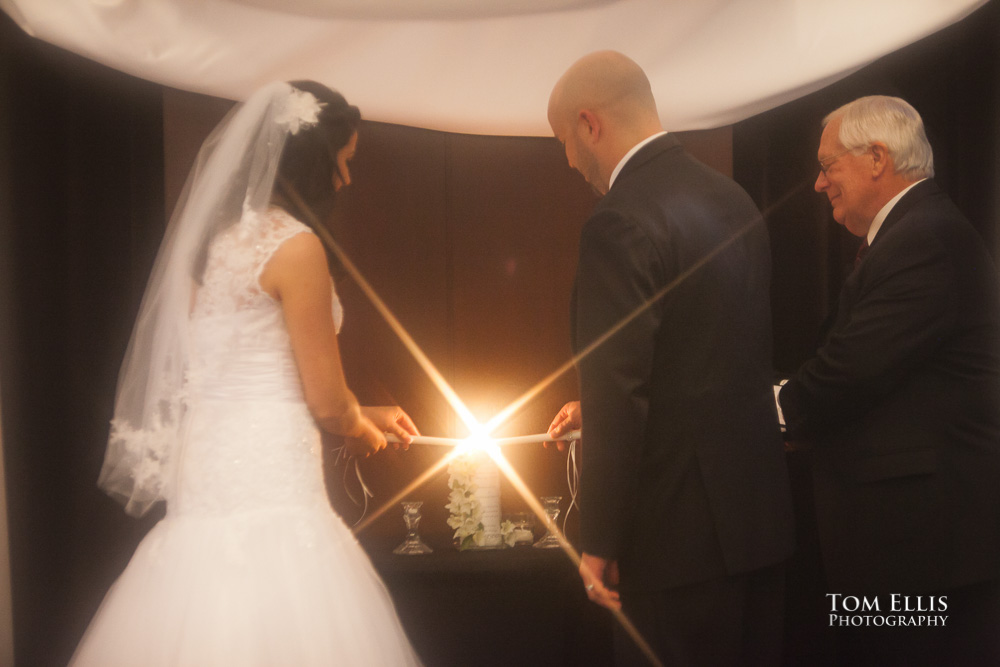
(827,162)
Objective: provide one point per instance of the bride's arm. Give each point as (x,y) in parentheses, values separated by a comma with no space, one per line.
(297,276)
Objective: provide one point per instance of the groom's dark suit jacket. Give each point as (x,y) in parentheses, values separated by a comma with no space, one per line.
(902,403)
(683,473)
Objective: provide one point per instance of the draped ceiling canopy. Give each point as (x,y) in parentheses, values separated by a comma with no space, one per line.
(487,66)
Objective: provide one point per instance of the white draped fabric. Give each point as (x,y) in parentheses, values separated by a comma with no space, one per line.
(487,66)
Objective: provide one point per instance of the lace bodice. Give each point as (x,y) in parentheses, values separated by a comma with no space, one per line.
(239,340)
(249,442)
(237,257)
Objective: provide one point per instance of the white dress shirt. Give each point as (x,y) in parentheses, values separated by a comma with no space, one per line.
(632,151)
(884,213)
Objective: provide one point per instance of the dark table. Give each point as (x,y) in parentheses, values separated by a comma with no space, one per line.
(513,607)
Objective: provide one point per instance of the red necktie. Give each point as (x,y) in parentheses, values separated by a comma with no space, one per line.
(862,250)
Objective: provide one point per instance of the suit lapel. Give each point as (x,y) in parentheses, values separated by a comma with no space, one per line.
(852,284)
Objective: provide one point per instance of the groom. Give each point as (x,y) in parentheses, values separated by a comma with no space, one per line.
(685,507)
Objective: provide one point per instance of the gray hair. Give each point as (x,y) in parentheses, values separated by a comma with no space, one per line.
(893,122)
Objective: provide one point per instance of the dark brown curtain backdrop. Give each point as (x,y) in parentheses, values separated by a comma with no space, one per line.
(471,241)
(952,79)
(81,214)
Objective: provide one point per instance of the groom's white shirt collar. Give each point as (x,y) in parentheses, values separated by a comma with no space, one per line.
(627,156)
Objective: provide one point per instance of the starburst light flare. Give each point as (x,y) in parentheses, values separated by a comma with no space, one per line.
(536,507)
(442,385)
(500,442)
(479,441)
(515,406)
(422,479)
(425,363)
(480,433)
(458,447)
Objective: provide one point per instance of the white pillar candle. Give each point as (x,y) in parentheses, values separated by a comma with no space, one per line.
(487,481)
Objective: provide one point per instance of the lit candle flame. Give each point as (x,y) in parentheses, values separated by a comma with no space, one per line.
(479,441)
(480,438)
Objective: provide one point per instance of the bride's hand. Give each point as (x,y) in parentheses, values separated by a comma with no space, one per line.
(366,439)
(392,419)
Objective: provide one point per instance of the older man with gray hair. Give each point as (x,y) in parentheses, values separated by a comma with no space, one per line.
(901,405)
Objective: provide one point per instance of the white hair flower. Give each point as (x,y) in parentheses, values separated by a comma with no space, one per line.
(301,110)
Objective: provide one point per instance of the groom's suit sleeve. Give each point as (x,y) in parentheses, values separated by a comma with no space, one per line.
(617,274)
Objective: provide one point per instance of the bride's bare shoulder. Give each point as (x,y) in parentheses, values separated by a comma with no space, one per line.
(300,260)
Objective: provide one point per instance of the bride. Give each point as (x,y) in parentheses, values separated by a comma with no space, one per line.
(232,365)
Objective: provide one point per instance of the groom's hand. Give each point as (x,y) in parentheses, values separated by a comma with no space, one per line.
(597,574)
(392,419)
(568,419)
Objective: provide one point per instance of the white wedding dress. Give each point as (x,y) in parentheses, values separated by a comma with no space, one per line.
(250,566)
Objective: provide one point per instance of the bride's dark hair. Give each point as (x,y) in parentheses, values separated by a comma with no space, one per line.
(309,159)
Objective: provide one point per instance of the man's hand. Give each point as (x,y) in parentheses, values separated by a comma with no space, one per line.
(566,420)
(597,574)
(392,419)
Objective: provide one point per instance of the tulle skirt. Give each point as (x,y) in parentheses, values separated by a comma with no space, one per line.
(277,586)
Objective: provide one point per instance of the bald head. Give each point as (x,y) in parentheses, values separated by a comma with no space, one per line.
(609,83)
(600,108)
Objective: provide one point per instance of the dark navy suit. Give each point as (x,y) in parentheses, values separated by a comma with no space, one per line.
(902,406)
(683,477)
